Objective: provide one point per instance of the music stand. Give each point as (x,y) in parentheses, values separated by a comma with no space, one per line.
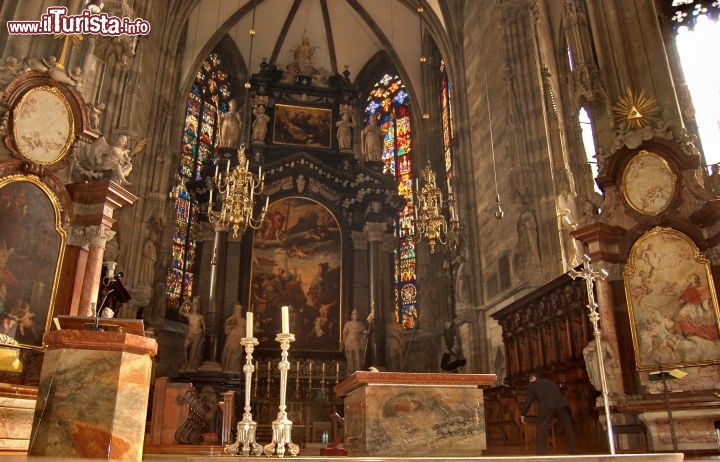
(665,376)
(128,326)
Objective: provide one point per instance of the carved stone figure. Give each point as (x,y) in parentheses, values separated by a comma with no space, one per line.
(372,140)
(303,55)
(103,160)
(149,257)
(344,131)
(259,126)
(233,352)
(394,346)
(593,368)
(195,336)
(230,126)
(354,338)
(94,113)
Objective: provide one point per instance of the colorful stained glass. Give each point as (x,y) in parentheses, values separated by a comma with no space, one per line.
(447,127)
(210,90)
(685,13)
(389,98)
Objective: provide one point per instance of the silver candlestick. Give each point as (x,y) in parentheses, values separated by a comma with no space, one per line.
(246,428)
(282,426)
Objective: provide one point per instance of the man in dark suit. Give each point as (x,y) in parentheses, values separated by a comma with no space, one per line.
(551,403)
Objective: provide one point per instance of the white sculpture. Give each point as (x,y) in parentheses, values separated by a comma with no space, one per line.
(104,160)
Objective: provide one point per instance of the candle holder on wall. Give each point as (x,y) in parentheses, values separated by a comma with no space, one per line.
(282,426)
(246,428)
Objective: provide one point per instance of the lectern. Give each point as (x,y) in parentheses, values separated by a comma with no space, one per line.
(93,391)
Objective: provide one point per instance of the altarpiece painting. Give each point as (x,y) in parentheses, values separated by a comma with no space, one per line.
(302,125)
(297,261)
(31,250)
(672,302)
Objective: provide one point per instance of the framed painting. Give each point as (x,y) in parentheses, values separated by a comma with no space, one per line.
(297,261)
(43,125)
(32,244)
(672,302)
(303,126)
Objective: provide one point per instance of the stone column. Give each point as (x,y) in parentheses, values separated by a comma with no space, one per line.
(375,356)
(360,275)
(97,236)
(214,304)
(94,204)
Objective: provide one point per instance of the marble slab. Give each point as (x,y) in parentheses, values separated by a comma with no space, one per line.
(414,414)
(93,395)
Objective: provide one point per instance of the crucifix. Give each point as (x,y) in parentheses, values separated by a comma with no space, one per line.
(591,275)
(75,39)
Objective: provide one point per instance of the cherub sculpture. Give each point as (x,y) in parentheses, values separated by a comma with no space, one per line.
(104,160)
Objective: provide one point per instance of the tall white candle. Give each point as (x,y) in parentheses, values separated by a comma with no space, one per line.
(217,167)
(249,324)
(210,201)
(228,166)
(285,320)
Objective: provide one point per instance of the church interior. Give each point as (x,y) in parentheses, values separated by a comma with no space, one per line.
(357,227)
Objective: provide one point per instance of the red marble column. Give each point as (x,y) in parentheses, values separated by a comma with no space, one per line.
(94,205)
(98,237)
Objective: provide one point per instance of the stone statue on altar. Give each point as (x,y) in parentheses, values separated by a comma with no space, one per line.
(354,342)
(230,126)
(303,58)
(233,352)
(195,336)
(372,140)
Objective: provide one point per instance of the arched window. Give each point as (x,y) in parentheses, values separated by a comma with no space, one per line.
(389,99)
(209,93)
(695,23)
(447,125)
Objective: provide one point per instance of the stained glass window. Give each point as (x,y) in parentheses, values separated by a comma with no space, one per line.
(389,99)
(447,125)
(209,93)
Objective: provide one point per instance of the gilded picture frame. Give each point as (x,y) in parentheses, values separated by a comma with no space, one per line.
(672,302)
(297,261)
(43,126)
(648,183)
(32,244)
(302,126)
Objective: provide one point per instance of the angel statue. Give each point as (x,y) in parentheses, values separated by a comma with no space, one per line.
(104,160)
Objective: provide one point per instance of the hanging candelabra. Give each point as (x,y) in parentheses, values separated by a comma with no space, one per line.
(430,221)
(237,189)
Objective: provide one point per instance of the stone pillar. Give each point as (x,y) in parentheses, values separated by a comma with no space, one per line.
(214,304)
(97,236)
(375,232)
(94,205)
(360,275)
(93,395)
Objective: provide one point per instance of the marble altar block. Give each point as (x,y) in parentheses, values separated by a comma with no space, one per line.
(412,414)
(93,395)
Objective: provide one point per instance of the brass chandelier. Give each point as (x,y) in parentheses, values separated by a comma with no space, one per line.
(430,221)
(237,190)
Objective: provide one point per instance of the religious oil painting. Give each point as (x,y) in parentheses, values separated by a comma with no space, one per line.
(672,302)
(31,250)
(43,125)
(648,183)
(297,255)
(304,126)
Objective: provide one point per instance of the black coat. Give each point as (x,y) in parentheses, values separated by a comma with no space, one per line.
(547,394)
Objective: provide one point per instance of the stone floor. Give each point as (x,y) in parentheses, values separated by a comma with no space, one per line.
(657,457)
